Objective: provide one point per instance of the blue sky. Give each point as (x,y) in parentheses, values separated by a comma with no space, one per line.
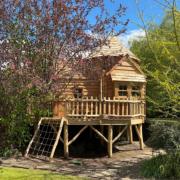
(151,9)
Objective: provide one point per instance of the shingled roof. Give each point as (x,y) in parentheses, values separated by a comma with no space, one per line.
(113,48)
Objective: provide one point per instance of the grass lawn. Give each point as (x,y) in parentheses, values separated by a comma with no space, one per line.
(28,174)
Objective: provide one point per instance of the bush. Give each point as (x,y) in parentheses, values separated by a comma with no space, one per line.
(165,135)
(162,166)
(17,113)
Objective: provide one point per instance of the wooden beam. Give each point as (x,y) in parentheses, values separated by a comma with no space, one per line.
(57,138)
(98,133)
(55,131)
(66,148)
(119,134)
(130,134)
(77,135)
(138,129)
(110,143)
(28,148)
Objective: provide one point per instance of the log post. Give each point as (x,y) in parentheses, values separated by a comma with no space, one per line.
(141,135)
(66,148)
(130,134)
(138,129)
(110,137)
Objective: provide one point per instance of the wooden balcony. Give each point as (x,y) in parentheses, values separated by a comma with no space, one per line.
(106,109)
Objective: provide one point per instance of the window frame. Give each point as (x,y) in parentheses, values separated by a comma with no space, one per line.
(78,95)
(136,89)
(122,90)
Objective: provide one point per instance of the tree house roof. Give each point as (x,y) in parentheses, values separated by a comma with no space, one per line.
(113,48)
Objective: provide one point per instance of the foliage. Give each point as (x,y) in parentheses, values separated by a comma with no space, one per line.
(38,41)
(17,173)
(159,51)
(15,121)
(165,135)
(160,55)
(162,166)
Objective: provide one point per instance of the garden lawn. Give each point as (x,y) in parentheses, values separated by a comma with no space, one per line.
(29,174)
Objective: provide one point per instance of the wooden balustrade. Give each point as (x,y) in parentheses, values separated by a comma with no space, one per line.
(111,107)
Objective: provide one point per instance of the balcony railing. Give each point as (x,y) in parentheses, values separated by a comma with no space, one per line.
(93,107)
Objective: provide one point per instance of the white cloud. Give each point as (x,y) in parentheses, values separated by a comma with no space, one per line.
(127,38)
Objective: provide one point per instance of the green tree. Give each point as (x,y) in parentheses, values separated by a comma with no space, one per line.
(160,55)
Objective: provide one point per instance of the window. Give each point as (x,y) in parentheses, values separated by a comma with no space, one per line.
(122,91)
(136,91)
(78,93)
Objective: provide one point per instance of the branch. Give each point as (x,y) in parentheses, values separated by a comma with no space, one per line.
(174,24)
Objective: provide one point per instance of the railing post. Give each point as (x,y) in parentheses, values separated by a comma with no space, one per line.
(114,105)
(73,107)
(118,108)
(109,106)
(100,107)
(82,108)
(96,106)
(91,105)
(104,105)
(86,106)
(122,109)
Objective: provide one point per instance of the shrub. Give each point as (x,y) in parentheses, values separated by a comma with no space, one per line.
(162,166)
(17,113)
(165,135)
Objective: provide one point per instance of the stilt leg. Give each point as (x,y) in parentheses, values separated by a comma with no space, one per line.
(66,148)
(130,134)
(110,137)
(141,135)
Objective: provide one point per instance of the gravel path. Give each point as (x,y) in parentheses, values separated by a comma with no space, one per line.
(124,164)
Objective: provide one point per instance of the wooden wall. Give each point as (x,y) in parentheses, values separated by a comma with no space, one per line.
(91,87)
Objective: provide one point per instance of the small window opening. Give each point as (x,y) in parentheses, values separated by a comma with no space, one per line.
(122,91)
(78,93)
(136,91)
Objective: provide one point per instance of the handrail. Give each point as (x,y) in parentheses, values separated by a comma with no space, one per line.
(93,107)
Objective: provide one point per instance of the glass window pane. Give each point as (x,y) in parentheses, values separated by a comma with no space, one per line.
(78,93)
(122,93)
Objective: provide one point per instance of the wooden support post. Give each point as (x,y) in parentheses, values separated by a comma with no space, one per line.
(110,138)
(130,134)
(140,135)
(66,146)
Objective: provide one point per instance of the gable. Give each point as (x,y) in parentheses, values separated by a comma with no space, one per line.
(127,70)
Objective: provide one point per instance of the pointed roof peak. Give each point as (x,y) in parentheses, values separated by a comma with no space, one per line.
(113,47)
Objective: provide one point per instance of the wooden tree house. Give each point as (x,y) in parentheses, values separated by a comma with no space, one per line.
(108,92)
